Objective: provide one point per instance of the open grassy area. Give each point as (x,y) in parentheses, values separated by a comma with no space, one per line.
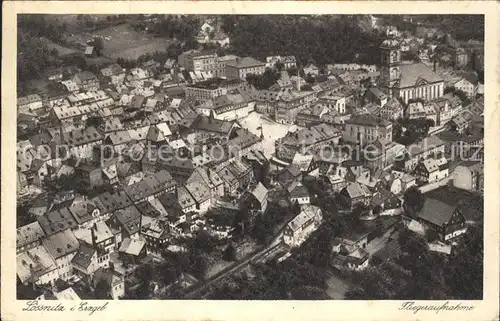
(123,41)
(62,51)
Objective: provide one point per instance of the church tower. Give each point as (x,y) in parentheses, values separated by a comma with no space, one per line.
(390,72)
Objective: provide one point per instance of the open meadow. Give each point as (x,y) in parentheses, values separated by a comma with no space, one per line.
(122,41)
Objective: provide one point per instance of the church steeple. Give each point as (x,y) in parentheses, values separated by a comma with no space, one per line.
(391,58)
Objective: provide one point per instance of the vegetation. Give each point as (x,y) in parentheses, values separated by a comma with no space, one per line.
(102,289)
(414,199)
(418,273)
(318,39)
(272,281)
(409,131)
(264,81)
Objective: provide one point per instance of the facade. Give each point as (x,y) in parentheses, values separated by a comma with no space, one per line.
(432,170)
(211,89)
(469,176)
(447,221)
(366,129)
(407,81)
(62,247)
(241,67)
(307,221)
(468,85)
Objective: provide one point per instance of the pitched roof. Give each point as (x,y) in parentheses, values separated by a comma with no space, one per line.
(436,212)
(61,244)
(129,218)
(40,261)
(83,257)
(246,62)
(367,120)
(132,246)
(308,213)
(411,74)
(29,233)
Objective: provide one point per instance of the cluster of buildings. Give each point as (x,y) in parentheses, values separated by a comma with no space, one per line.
(149,152)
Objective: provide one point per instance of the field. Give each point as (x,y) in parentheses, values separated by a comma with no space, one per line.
(62,51)
(122,41)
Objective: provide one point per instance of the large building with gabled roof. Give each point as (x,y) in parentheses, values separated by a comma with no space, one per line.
(407,81)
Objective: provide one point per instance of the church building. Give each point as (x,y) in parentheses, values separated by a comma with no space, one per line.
(407,81)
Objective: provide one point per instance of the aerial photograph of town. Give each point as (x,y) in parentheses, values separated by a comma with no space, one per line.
(250,157)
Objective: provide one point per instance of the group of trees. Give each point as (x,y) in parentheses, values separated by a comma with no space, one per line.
(318,39)
(182,28)
(408,131)
(264,81)
(289,279)
(418,273)
(265,225)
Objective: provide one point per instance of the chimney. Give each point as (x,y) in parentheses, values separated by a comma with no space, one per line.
(434,68)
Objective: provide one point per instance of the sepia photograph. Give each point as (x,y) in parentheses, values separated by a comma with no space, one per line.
(250,157)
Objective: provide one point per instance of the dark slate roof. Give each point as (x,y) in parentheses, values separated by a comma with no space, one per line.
(436,212)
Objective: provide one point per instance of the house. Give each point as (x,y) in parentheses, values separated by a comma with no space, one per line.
(85,213)
(469,175)
(237,174)
(468,85)
(298,229)
(366,129)
(241,67)
(306,141)
(304,162)
(156,233)
(201,194)
(447,221)
(417,152)
(418,109)
(432,170)
(350,254)
(62,247)
(85,260)
(375,95)
(101,238)
(210,178)
(311,69)
(90,52)
(289,174)
(388,203)
(132,250)
(36,266)
(29,103)
(299,194)
(56,221)
(89,176)
(113,279)
(127,221)
(256,198)
(86,80)
(29,236)
(354,194)
(185,200)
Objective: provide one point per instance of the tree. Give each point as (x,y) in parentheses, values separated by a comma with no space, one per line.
(230,253)
(168,272)
(98,45)
(464,271)
(102,290)
(413,199)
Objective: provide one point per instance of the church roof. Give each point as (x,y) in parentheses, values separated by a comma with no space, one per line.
(411,74)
